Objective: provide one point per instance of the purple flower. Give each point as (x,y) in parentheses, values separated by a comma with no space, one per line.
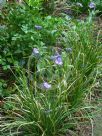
(46,85)
(79,4)
(92,5)
(38,27)
(35,51)
(57,59)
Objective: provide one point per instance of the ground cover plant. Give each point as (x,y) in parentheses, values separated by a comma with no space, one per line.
(54,62)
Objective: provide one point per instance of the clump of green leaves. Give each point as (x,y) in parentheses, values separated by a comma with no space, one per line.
(19,34)
(45,7)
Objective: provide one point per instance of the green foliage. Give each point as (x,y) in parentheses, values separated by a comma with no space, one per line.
(3,85)
(38,111)
(98,5)
(45,7)
(42,113)
(68,52)
(18,35)
(36,5)
(78,9)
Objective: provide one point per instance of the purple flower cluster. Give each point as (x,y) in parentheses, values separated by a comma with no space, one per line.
(92,5)
(57,58)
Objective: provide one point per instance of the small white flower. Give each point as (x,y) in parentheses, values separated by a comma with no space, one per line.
(79,4)
(35,51)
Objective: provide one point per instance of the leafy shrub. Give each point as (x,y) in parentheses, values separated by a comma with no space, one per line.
(19,34)
(45,7)
(36,5)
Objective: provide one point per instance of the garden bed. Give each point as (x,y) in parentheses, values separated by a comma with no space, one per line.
(54,86)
